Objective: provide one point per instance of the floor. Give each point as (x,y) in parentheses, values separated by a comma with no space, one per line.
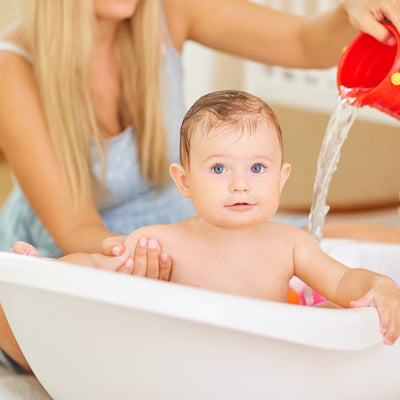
(20,387)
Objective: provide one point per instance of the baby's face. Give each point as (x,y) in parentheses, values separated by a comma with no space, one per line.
(237,181)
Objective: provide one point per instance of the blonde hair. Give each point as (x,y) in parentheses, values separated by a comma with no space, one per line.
(60,39)
(223,110)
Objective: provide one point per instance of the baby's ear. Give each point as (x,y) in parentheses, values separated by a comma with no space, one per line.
(285,172)
(178,174)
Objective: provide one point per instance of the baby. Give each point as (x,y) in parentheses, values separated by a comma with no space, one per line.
(232,168)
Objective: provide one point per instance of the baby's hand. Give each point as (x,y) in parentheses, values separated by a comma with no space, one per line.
(25,249)
(114,245)
(96,260)
(385,297)
(121,263)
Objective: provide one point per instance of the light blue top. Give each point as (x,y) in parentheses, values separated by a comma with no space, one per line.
(132,203)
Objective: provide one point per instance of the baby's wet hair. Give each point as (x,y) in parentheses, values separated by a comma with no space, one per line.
(230,111)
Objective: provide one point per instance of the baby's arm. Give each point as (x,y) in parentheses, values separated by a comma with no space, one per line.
(348,287)
(100,261)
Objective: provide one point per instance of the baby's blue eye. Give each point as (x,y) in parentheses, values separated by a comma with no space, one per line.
(218,169)
(257,168)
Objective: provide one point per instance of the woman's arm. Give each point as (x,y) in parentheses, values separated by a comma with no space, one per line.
(25,141)
(253,31)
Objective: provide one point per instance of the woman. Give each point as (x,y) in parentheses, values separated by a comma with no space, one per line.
(91,103)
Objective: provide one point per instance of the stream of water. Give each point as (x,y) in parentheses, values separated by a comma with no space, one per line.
(339,124)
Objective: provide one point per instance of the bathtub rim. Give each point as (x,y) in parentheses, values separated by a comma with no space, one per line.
(350,329)
(331,244)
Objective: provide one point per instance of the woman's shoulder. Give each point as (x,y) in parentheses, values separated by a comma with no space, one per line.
(14,33)
(13,46)
(18,92)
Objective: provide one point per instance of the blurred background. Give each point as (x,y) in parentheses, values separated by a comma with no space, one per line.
(367,182)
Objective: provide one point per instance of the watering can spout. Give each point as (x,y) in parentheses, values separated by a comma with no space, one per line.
(369,73)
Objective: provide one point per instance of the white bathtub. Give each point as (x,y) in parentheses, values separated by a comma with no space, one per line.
(90,334)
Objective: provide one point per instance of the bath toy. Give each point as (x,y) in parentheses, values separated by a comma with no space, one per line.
(312,297)
(91,334)
(369,73)
(293,297)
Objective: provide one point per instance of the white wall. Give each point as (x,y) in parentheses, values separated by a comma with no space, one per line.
(199,66)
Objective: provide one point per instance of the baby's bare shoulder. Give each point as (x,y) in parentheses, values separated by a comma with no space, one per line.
(281,228)
(290,234)
(163,233)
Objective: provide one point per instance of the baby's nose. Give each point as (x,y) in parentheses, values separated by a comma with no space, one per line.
(239,183)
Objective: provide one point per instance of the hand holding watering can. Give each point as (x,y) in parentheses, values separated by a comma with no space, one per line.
(369,73)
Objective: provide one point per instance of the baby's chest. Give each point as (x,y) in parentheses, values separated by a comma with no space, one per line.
(254,275)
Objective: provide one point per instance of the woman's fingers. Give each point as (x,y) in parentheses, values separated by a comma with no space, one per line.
(150,262)
(368,15)
(113,246)
(146,258)
(140,257)
(165,267)
(153,259)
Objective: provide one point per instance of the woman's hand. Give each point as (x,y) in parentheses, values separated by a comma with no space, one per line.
(368,15)
(148,259)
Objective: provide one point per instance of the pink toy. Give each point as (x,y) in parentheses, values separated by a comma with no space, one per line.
(312,297)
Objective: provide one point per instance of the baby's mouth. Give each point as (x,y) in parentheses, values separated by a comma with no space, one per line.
(240,204)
